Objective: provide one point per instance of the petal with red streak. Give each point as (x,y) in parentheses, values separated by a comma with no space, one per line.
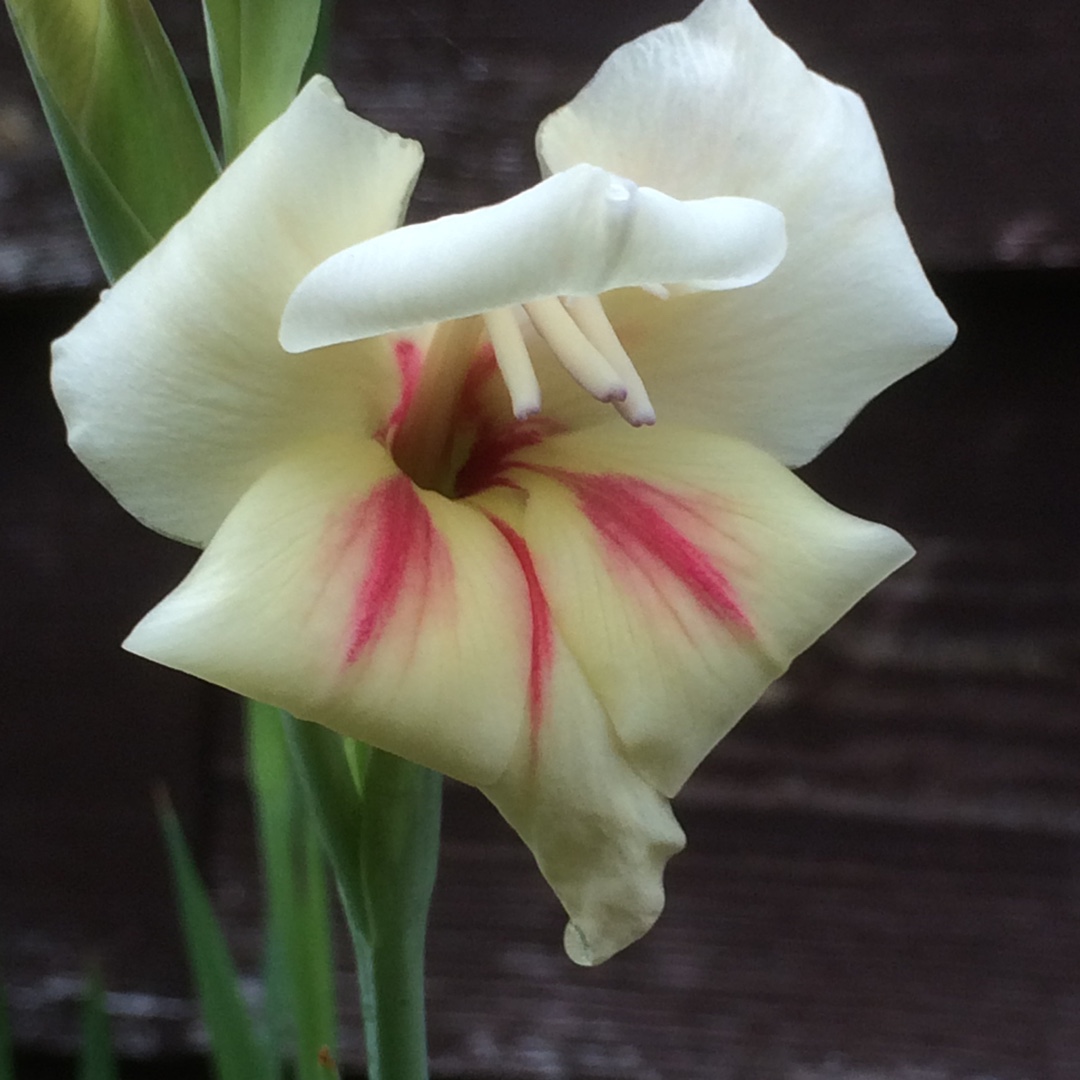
(685,571)
(339,591)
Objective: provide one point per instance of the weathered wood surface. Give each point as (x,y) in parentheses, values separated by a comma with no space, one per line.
(978,105)
(884,859)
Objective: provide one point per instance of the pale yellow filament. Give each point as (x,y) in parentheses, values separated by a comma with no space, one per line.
(588,312)
(515,365)
(581,358)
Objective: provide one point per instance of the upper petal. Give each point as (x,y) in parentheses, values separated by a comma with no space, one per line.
(174,388)
(717,105)
(576,234)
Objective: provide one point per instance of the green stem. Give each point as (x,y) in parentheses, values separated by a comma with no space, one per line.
(380,828)
(398,856)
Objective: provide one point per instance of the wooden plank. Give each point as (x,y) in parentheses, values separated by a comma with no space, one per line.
(978,107)
(87,729)
(794,945)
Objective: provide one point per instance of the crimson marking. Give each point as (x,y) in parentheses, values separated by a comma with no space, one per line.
(542,637)
(410,363)
(493,449)
(403,543)
(632,516)
(483,366)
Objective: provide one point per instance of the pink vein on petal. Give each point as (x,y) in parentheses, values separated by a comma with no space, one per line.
(492,452)
(404,548)
(542,640)
(633,518)
(410,363)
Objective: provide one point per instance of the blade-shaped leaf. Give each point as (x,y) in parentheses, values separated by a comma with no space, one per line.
(96,1058)
(131,140)
(299,967)
(237,1053)
(258,52)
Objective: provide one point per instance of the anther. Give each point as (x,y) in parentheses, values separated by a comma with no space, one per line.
(588,312)
(581,358)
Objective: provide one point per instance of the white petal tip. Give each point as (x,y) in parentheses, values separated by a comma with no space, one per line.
(142,638)
(294,332)
(578,949)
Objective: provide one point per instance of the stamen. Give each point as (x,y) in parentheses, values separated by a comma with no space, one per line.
(588,312)
(512,356)
(575,352)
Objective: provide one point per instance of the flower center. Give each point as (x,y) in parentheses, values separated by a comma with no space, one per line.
(444,410)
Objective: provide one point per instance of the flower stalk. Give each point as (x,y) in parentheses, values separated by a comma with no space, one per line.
(379,818)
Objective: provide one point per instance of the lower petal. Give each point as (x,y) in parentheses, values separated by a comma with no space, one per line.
(685,571)
(339,591)
(600,832)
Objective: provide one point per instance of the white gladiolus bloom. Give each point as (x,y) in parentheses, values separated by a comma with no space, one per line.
(427,522)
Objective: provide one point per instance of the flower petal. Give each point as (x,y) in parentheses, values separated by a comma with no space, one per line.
(685,571)
(600,832)
(174,388)
(576,234)
(716,105)
(337,590)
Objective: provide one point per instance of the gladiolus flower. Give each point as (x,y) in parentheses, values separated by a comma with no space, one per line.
(427,521)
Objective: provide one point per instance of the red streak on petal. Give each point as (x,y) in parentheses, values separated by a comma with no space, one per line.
(634,520)
(483,366)
(404,547)
(493,449)
(542,638)
(410,362)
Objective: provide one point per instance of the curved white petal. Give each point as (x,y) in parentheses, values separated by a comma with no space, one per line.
(685,571)
(174,388)
(716,105)
(579,233)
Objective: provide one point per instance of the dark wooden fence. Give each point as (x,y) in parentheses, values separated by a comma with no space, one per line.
(883,874)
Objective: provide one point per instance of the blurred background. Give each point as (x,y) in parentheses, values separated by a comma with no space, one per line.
(882,880)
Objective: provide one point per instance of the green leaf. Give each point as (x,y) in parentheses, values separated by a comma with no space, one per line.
(237,1053)
(7,1052)
(318,60)
(299,957)
(131,140)
(96,1061)
(258,52)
